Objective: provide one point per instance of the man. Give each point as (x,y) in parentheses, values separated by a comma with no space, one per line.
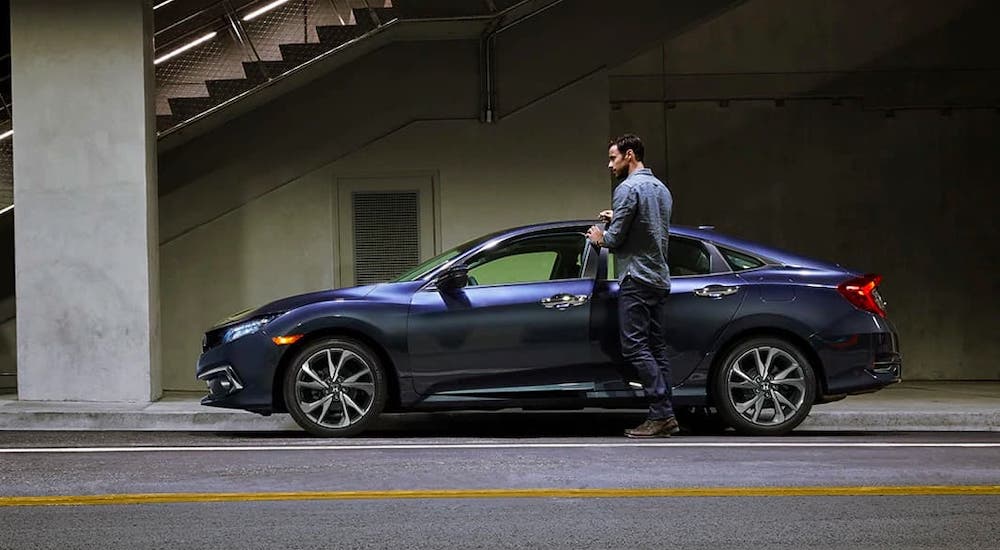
(638,235)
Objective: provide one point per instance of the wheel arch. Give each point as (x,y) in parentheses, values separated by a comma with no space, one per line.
(800,343)
(392,374)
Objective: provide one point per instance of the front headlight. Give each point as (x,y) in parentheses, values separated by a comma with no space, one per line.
(246,327)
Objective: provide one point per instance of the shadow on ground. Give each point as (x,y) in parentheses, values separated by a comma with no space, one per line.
(513,425)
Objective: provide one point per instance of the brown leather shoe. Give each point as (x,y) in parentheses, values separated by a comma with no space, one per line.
(654,428)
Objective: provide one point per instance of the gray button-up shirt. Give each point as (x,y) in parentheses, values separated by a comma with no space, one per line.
(640,229)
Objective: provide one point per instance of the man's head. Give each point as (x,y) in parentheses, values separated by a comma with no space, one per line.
(625,155)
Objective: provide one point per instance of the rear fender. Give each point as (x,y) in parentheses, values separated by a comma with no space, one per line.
(749,326)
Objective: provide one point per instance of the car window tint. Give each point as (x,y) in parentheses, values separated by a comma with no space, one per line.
(739,261)
(684,256)
(537,259)
(519,268)
(688,257)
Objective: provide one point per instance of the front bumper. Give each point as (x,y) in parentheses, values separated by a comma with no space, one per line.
(240,374)
(222,382)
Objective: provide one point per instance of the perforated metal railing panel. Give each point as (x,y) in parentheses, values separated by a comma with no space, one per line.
(386,234)
(295,22)
(185,75)
(233,46)
(6,172)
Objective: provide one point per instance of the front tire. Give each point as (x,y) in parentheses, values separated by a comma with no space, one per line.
(765,386)
(335,387)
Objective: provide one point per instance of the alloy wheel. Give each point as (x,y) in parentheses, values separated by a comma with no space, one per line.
(766,386)
(334,387)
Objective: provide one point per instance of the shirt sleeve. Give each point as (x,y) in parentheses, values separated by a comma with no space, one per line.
(624,205)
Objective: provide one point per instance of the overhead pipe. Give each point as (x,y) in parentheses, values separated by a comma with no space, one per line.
(487,55)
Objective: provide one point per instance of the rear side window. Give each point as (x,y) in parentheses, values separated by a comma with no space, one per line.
(688,257)
(739,261)
(684,256)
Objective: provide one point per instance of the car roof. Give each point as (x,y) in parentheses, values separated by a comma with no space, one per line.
(769,253)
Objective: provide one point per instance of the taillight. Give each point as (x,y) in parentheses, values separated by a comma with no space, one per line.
(863,293)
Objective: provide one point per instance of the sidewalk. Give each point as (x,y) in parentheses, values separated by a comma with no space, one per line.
(910,406)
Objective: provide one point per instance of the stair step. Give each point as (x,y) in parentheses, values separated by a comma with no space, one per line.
(300,53)
(293,55)
(364,19)
(387,14)
(228,88)
(184,108)
(418,9)
(165,122)
(274,68)
(335,35)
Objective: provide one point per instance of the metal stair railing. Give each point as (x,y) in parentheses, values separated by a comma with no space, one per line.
(225,51)
(208,58)
(6,140)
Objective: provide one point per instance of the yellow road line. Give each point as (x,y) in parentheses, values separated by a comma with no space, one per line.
(652,492)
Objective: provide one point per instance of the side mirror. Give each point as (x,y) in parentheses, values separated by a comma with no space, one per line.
(454,278)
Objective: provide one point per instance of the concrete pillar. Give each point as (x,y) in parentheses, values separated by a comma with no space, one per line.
(86,256)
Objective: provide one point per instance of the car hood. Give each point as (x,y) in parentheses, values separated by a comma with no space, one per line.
(292,302)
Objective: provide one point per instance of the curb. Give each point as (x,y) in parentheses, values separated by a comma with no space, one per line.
(138,421)
(902,421)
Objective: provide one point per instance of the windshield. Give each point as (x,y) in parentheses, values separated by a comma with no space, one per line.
(441,259)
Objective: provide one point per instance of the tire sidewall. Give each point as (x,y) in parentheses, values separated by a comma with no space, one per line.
(378,378)
(723,400)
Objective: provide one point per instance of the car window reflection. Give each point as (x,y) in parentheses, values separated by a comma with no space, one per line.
(552,257)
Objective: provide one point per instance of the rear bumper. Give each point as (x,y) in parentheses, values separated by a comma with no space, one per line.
(859,361)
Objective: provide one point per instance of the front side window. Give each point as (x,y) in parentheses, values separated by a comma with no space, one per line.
(535,259)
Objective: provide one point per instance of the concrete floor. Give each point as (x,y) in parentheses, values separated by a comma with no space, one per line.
(945,406)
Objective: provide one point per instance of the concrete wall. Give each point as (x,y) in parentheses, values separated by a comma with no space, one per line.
(530,167)
(234,198)
(249,210)
(911,196)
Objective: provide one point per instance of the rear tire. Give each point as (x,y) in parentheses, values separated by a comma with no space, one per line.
(765,386)
(335,387)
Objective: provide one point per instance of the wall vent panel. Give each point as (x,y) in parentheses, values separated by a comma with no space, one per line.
(386,234)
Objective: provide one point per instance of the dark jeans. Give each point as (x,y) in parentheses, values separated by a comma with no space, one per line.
(642,311)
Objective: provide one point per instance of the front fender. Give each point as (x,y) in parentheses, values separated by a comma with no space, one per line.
(382,323)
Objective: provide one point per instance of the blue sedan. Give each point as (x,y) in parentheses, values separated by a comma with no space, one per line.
(527,318)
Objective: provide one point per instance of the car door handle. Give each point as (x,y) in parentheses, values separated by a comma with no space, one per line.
(716,291)
(564,301)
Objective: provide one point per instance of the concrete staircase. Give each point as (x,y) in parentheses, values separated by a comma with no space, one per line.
(295,54)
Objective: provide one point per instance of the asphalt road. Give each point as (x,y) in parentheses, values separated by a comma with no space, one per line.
(413,489)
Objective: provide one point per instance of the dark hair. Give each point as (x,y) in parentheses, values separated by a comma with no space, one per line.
(629,141)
